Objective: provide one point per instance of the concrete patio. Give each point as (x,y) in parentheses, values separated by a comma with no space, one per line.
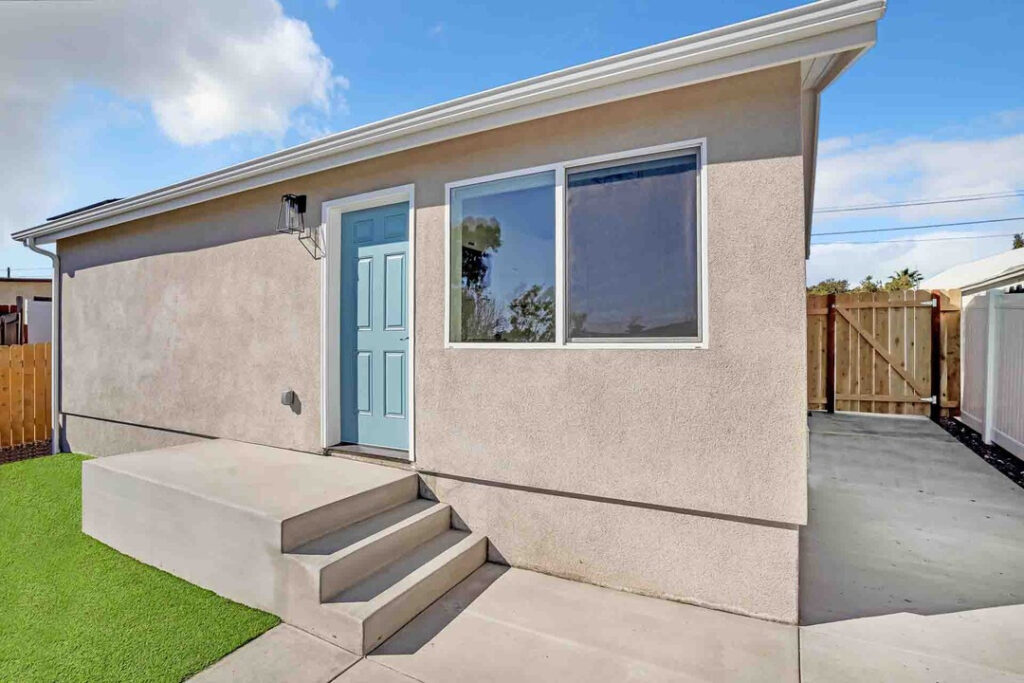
(904,518)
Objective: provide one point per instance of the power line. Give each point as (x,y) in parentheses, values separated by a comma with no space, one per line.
(919,227)
(921,202)
(892,242)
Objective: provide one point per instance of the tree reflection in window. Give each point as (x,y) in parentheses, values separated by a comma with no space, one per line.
(503,261)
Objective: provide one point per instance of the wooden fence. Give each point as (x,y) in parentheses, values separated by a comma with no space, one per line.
(884,352)
(993,401)
(24,394)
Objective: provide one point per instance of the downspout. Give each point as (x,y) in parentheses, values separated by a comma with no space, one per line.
(30,242)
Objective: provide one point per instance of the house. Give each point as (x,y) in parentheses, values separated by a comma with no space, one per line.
(572,308)
(1000,271)
(27,288)
(26,302)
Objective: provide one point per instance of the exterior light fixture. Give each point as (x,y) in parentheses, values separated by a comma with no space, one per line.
(292,220)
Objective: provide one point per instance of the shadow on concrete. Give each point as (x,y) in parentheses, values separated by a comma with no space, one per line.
(444,611)
(904,518)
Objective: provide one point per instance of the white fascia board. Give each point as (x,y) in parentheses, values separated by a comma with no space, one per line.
(1007,278)
(796,35)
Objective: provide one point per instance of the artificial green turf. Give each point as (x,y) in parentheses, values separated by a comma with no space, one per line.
(73,609)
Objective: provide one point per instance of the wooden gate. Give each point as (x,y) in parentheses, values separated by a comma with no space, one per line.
(883,352)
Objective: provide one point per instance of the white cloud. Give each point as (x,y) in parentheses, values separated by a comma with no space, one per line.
(874,170)
(206,69)
(853,261)
(909,169)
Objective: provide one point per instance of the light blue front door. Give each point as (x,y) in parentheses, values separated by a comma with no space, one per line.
(375,326)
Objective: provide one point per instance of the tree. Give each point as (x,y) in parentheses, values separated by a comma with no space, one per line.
(903,280)
(1018,241)
(868,284)
(830,286)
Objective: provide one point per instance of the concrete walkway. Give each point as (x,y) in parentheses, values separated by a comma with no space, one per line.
(504,624)
(904,518)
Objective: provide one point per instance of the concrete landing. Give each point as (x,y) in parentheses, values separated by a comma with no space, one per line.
(278,485)
(341,549)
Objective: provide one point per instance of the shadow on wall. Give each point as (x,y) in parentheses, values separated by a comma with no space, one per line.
(237,218)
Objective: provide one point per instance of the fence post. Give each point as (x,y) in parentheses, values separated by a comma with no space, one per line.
(936,411)
(991,361)
(830,355)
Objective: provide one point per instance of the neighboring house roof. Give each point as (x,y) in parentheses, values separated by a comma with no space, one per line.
(823,37)
(994,271)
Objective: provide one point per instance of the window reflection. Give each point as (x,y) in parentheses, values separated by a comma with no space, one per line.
(632,250)
(503,260)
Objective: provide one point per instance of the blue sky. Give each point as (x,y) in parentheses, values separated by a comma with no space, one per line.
(936,108)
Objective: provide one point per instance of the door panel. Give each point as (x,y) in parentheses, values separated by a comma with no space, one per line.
(375,327)
(394,292)
(394,384)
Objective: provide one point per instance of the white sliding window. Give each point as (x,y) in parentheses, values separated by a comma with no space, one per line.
(606,252)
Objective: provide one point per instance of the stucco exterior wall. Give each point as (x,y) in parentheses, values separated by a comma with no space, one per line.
(196,320)
(100,438)
(724,563)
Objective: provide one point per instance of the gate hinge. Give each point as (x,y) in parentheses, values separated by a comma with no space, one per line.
(931,303)
(930,399)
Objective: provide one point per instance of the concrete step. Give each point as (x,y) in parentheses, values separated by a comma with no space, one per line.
(345,557)
(388,599)
(315,524)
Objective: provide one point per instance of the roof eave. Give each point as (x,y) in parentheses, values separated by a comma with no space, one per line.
(804,33)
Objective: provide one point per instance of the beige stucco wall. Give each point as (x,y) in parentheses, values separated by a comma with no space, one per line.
(197,319)
(729,564)
(103,438)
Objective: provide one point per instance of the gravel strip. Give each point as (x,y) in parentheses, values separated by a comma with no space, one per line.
(1004,461)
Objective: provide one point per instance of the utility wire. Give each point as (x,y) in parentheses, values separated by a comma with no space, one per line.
(922,239)
(919,227)
(921,202)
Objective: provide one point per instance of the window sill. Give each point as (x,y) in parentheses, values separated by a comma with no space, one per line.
(581,346)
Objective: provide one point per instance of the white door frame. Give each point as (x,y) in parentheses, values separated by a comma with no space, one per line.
(330,306)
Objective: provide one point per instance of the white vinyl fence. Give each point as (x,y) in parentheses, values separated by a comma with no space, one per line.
(993,368)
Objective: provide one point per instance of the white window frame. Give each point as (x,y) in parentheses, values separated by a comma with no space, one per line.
(561,169)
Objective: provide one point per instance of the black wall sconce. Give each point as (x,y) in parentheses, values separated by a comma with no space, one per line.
(292,220)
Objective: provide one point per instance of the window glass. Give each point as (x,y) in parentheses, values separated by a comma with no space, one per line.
(632,251)
(503,260)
